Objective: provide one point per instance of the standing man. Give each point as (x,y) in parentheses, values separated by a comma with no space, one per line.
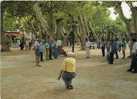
(103,45)
(22,44)
(37,52)
(41,50)
(123,48)
(133,66)
(116,44)
(72,40)
(58,45)
(50,48)
(113,49)
(55,49)
(47,49)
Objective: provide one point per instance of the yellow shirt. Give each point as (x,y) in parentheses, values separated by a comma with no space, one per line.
(69,65)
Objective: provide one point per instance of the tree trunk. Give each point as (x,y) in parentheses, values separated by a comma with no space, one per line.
(4,41)
(134,13)
(40,18)
(82,32)
(59,31)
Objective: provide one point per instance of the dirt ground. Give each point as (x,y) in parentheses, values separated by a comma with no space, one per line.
(21,79)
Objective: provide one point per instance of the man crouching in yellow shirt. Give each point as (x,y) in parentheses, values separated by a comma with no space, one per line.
(68,71)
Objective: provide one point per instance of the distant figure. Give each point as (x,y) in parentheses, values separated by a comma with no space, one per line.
(22,43)
(47,50)
(50,48)
(27,44)
(116,44)
(68,71)
(103,45)
(87,45)
(55,49)
(114,48)
(58,45)
(133,66)
(119,45)
(72,40)
(98,44)
(65,39)
(108,46)
(41,50)
(110,56)
(123,45)
(112,51)
(30,44)
(130,43)
(37,52)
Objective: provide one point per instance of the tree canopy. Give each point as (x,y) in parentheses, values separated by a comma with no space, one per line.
(58,17)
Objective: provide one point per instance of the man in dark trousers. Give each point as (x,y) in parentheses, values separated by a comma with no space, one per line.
(72,40)
(50,48)
(22,44)
(68,71)
(133,66)
(113,49)
(103,45)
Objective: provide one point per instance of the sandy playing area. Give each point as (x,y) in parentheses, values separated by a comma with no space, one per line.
(21,79)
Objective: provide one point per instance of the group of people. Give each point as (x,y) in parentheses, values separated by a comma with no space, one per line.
(22,43)
(112,48)
(25,44)
(52,48)
(109,47)
(48,49)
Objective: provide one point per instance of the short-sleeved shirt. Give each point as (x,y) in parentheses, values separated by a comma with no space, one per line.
(134,49)
(114,46)
(46,45)
(36,44)
(58,43)
(36,47)
(88,44)
(69,65)
(41,47)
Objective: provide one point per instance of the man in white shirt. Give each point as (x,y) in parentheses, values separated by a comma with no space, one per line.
(59,46)
(58,43)
(133,66)
(37,52)
(134,49)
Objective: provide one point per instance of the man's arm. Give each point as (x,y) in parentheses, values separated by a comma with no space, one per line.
(61,72)
(136,48)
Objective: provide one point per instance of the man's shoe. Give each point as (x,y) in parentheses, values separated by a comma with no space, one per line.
(129,70)
(71,87)
(134,71)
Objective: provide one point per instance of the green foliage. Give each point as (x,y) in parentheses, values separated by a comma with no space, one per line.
(9,22)
(95,15)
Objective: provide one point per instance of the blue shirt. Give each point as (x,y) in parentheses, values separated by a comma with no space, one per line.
(114,46)
(41,48)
